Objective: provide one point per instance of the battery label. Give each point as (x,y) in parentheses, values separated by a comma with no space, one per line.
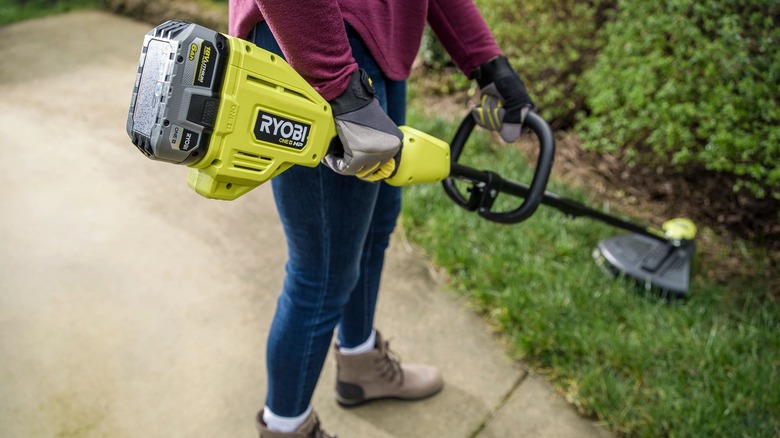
(281,131)
(205,67)
(156,66)
(183,139)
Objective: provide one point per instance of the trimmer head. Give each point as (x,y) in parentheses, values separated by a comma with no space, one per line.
(655,264)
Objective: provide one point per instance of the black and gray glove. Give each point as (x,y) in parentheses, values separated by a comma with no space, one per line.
(370,142)
(504,101)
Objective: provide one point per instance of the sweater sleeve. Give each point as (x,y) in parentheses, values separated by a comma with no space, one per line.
(314,41)
(463,32)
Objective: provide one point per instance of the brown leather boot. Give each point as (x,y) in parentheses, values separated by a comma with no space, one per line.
(378,374)
(309,429)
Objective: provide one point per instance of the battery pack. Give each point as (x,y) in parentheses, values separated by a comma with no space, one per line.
(236,114)
(175,100)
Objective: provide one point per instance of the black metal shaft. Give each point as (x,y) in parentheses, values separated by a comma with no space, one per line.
(567,206)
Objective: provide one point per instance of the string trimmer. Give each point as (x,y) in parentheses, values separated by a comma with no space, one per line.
(238,115)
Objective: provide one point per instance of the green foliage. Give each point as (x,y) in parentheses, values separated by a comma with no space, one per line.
(441,75)
(678,85)
(683,82)
(17,10)
(644,367)
(550,44)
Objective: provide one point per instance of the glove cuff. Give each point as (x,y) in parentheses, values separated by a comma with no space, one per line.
(492,70)
(359,93)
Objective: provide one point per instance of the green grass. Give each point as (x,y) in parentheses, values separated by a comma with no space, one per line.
(707,366)
(17,10)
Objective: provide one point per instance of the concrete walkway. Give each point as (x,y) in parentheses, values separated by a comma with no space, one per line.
(132,307)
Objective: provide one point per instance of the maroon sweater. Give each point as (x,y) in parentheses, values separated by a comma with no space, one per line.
(312,36)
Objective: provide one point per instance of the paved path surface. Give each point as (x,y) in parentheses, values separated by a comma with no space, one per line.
(131,307)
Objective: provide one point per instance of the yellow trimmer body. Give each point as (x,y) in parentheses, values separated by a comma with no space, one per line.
(239,115)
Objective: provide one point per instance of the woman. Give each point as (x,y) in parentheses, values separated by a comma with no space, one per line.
(337,218)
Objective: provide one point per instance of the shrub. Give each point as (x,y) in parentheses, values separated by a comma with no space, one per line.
(549,43)
(681,83)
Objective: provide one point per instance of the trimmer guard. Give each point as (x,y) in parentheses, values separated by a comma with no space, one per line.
(652,263)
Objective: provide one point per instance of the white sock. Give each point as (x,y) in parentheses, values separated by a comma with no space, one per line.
(279,424)
(365,347)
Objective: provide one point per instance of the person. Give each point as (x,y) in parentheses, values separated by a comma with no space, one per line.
(338,217)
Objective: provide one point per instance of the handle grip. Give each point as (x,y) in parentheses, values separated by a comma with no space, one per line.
(487,185)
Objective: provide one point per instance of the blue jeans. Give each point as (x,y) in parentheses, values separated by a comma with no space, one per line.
(337,230)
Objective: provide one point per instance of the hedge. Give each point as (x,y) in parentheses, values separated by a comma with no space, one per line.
(550,44)
(676,85)
(682,82)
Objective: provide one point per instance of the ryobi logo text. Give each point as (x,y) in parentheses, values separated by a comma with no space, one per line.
(183,139)
(276,129)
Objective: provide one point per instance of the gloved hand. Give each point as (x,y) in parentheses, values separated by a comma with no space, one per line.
(370,141)
(504,101)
